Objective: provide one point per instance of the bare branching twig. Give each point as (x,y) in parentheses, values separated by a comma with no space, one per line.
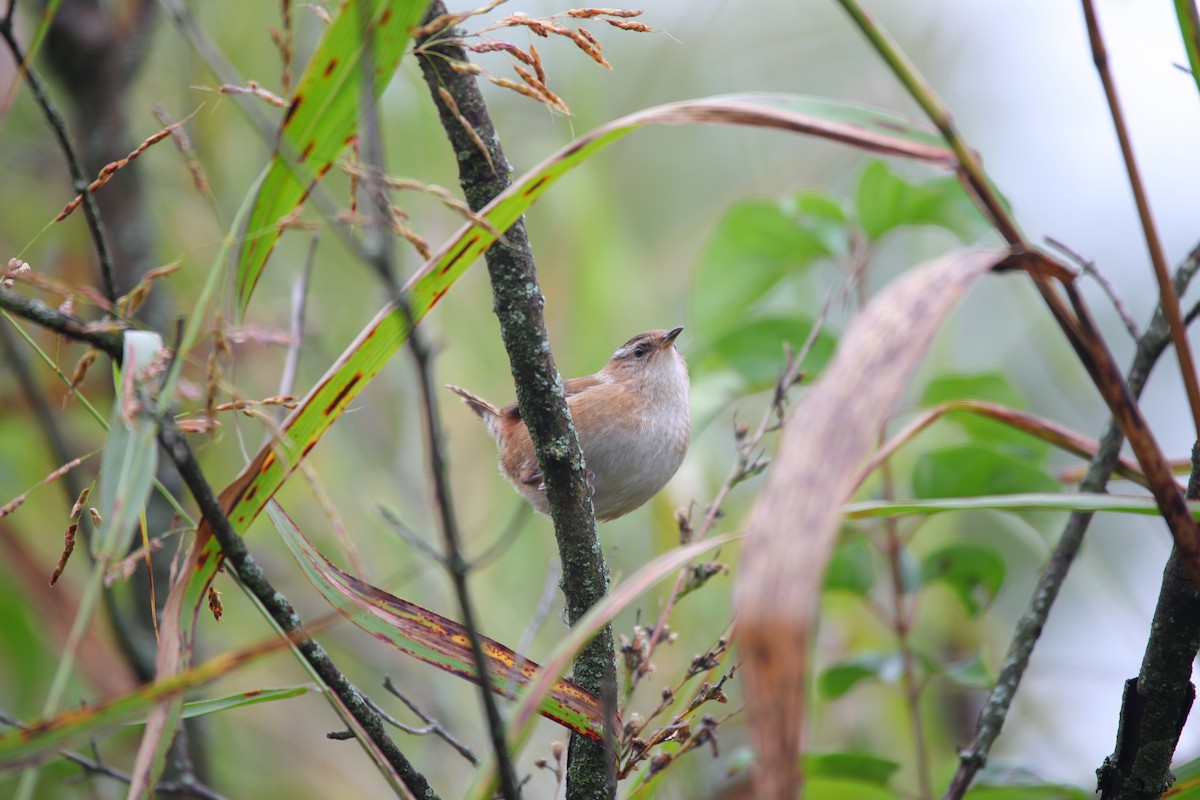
(79,178)
(379,252)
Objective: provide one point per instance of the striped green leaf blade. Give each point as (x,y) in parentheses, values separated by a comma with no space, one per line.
(320,119)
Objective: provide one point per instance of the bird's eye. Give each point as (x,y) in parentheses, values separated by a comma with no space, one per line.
(639,351)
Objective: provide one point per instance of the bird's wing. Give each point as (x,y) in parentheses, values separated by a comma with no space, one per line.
(571,388)
(579,385)
(531,474)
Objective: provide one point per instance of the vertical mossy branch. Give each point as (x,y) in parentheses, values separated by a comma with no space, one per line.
(518,304)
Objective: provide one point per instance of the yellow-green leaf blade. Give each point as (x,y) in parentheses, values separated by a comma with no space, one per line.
(320,118)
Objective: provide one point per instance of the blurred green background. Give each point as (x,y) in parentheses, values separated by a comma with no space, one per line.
(618,245)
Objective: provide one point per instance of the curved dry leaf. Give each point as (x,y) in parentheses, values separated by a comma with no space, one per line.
(794,524)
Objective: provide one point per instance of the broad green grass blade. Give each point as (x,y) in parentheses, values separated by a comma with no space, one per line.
(202,708)
(126,475)
(623,596)
(320,119)
(131,453)
(1090,503)
(432,638)
(78,725)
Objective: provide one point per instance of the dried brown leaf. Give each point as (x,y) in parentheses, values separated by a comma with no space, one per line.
(794,524)
(80,371)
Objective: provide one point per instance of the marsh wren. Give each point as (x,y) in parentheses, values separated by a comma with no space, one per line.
(632,421)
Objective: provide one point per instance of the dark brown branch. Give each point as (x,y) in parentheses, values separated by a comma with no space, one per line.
(79,178)
(103,337)
(518,304)
(973,757)
(432,726)
(252,576)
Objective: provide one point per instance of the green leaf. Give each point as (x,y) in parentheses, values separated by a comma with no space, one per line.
(130,454)
(993,387)
(755,244)
(1046,791)
(972,673)
(862,767)
(851,568)
(965,470)
(886,201)
(68,727)
(845,789)
(825,216)
(202,708)
(1189,28)
(841,678)
(814,206)
(1080,501)
(1187,781)
(972,571)
(754,350)
(320,119)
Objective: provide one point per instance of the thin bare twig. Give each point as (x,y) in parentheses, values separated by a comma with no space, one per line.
(78,177)
(1089,268)
(432,726)
(379,251)
(411,536)
(185,788)
(506,537)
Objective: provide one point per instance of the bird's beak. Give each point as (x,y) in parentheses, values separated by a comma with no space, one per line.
(669,338)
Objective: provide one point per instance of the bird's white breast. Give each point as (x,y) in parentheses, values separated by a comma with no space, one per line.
(636,453)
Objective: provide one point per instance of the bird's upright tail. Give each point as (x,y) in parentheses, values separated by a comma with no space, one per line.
(486,411)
